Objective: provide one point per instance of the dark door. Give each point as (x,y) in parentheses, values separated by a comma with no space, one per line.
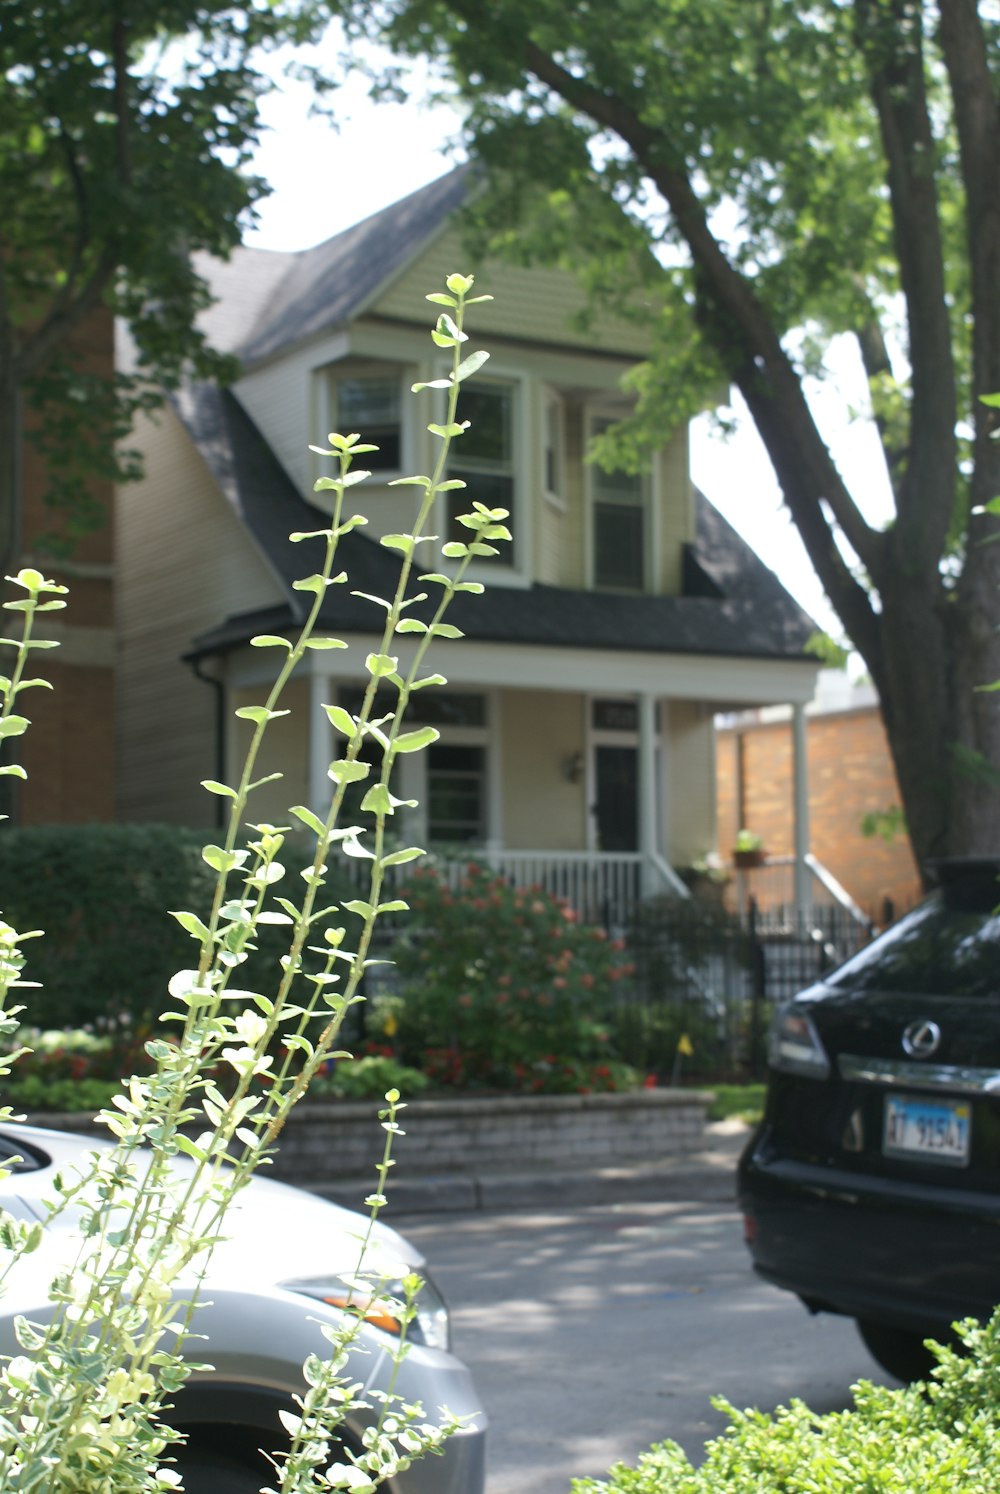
(617,798)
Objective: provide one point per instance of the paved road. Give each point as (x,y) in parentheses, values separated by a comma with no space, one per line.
(593,1332)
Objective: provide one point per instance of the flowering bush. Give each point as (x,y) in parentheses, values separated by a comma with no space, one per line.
(503,988)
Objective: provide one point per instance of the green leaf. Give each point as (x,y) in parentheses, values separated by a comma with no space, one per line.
(309,819)
(379,665)
(403,542)
(13,726)
(343,771)
(222,789)
(192,924)
(269,640)
(259,714)
(377,800)
(446,630)
(455,550)
(416,741)
(470,365)
(314,583)
(410,482)
(363,910)
(400,858)
(396,906)
(411,625)
(325,643)
(440,299)
(13,770)
(221,860)
(450,484)
(447,431)
(429,679)
(341,719)
(430,384)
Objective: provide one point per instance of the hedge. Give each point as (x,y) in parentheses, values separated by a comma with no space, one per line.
(102,893)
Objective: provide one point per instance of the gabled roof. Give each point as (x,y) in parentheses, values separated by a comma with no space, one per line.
(270,301)
(739,607)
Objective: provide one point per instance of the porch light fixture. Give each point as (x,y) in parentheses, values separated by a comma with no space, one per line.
(571,767)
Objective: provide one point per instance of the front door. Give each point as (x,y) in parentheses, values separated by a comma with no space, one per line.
(616,810)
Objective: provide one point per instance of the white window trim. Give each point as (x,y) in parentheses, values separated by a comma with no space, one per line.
(552,403)
(324,416)
(593,415)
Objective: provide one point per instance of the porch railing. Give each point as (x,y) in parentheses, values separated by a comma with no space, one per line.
(603,887)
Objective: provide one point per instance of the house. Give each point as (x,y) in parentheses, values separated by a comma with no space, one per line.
(850,776)
(577,723)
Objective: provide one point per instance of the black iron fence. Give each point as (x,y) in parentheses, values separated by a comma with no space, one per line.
(706,981)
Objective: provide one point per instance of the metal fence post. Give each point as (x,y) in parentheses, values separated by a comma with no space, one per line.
(758,990)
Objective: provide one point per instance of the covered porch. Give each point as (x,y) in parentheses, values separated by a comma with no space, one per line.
(590,773)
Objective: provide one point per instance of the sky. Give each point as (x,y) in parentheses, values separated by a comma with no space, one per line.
(324,179)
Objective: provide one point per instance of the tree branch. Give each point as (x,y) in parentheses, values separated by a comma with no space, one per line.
(805,469)
(893,45)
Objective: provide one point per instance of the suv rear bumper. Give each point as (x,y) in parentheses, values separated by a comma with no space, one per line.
(899,1252)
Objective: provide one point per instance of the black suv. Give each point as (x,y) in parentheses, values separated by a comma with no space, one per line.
(872,1186)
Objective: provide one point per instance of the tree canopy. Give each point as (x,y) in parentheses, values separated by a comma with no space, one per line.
(126,129)
(773,174)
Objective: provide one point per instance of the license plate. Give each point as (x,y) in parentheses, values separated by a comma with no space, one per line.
(935,1130)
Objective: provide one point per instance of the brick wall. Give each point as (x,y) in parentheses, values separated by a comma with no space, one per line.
(324,1144)
(850,775)
(68,751)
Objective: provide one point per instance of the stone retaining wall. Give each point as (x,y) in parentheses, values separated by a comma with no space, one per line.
(326,1142)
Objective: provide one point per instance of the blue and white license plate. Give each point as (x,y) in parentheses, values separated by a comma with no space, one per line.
(934,1130)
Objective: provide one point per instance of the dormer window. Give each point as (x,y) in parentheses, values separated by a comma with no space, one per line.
(371,405)
(484,457)
(367,397)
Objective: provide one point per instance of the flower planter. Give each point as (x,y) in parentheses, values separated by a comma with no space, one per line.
(746,860)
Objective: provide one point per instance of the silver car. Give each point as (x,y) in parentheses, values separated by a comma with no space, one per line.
(270,1284)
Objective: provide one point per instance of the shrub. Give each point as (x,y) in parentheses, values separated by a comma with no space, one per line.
(943,1437)
(503,988)
(102,894)
(368,1078)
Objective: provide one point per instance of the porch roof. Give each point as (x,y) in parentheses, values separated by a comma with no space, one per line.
(733,604)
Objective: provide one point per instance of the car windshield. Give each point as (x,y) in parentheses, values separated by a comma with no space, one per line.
(949,946)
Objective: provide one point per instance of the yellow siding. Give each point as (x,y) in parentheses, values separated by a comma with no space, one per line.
(540,809)
(184,563)
(531,303)
(285,750)
(675,517)
(692,781)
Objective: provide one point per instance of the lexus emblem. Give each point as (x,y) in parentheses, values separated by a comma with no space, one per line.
(921,1039)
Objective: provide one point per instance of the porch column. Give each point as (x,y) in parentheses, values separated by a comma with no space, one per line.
(320,741)
(800,769)
(649,833)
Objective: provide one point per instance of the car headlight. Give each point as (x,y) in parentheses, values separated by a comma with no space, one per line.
(794,1046)
(381,1303)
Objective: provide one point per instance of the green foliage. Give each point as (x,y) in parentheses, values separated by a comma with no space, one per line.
(82,1405)
(744,1101)
(944,1437)
(502,988)
(750,182)
(368,1078)
(123,155)
(102,894)
(886,823)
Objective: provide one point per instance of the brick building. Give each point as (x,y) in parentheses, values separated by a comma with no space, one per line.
(68,752)
(850,774)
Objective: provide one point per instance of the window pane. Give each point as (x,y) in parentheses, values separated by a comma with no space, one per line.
(489,439)
(456,793)
(372,408)
(618,546)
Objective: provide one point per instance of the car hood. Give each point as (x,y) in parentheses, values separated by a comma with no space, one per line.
(273,1233)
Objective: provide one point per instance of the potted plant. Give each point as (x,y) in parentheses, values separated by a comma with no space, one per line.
(748,850)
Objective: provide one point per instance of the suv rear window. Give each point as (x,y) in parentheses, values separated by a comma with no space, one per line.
(948,946)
